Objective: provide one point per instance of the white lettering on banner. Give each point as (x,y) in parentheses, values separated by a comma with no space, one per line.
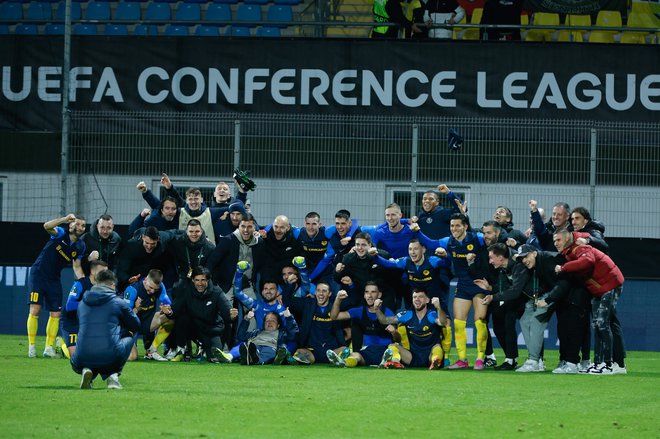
(349,87)
(382,92)
(200,85)
(108,86)
(339,87)
(6,84)
(509,89)
(438,89)
(594,95)
(646,91)
(142,85)
(229,90)
(44,83)
(279,86)
(482,100)
(306,76)
(401,88)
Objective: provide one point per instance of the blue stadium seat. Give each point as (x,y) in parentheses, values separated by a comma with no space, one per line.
(128,11)
(206,31)
(249,13)
(146,29)
(26,29)
(115,30)
(39,11)
(287,2)
(238,31)
(98,11)
(194,1)
(217,12)
(79,1)
(75,11)
(188,12)
(11,11)
(54,29)
(4,29)
(158,12)
(279,13)
(84,29)
(166,1)
(227,2)
(174,30)
(266,31)
(256,2)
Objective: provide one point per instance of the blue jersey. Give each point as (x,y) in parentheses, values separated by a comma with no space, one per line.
(424,276)
(323,330)
(260,307)
(58,253)
(395,243)
(336,250)
(457,252)
(423,333)
(79,287)
(314,247)
(149,301)
(373,331)
(435,224)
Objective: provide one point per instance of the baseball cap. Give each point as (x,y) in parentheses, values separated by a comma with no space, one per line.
(524,250)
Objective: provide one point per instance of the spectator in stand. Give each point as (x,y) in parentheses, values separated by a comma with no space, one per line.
(501,12)
(439,12)
(390,11)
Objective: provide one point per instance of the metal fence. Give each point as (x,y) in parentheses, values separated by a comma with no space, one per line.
(323,163)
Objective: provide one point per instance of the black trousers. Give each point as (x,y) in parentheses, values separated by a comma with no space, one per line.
(504,324)
(572,325)
(188,330)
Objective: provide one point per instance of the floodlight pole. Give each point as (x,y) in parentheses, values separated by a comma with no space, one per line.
(237,144)
(66,115)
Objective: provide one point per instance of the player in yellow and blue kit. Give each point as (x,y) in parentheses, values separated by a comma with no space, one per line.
(64,247)
(421,347)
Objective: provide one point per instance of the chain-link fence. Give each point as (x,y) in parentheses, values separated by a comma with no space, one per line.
(322,163)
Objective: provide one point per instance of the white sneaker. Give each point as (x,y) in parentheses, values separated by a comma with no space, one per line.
(601,369)
(585,366)
(170,354)
(618,370)
(335,359)
(113,382)
(541,367)
(32,351)
(529,366)
(566,368)
(154,355)
(49,352)
(87,377)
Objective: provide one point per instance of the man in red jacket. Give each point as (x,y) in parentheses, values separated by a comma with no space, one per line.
(603,280)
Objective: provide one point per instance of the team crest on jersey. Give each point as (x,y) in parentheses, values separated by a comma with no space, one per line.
(73,254)
(470,247)
(425,328)
(429,220)
(324,242)
(425,272)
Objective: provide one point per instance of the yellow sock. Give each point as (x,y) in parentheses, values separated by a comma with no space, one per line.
(460,339)
(436,353)
(396,355)
(162,334)
(446,340)
(32,327)
(351,362)
(51,330)
(482,338)
(403,332)
(65,350)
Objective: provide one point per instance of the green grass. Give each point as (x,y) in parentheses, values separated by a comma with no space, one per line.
(40,398)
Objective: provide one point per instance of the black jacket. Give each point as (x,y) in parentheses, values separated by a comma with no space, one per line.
(108,248)
(208,311)
(135,260)
(596,240)
(280,253)
(222,261)
(188,255)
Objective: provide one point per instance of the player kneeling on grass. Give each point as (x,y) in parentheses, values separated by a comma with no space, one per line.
(108,330)
(420,345)
(268,345)
(376,336)
(142,296)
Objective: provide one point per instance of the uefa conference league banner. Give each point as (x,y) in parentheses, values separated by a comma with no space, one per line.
(432,78)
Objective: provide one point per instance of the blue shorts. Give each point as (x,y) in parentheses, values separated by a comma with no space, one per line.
(420,358)
(69,329)
(45,290)
(467,295)
(319,352)
(372,355)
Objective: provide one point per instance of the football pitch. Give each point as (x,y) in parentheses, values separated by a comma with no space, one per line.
(40,398)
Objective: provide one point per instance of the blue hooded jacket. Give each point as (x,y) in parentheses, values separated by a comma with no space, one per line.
(104,318)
